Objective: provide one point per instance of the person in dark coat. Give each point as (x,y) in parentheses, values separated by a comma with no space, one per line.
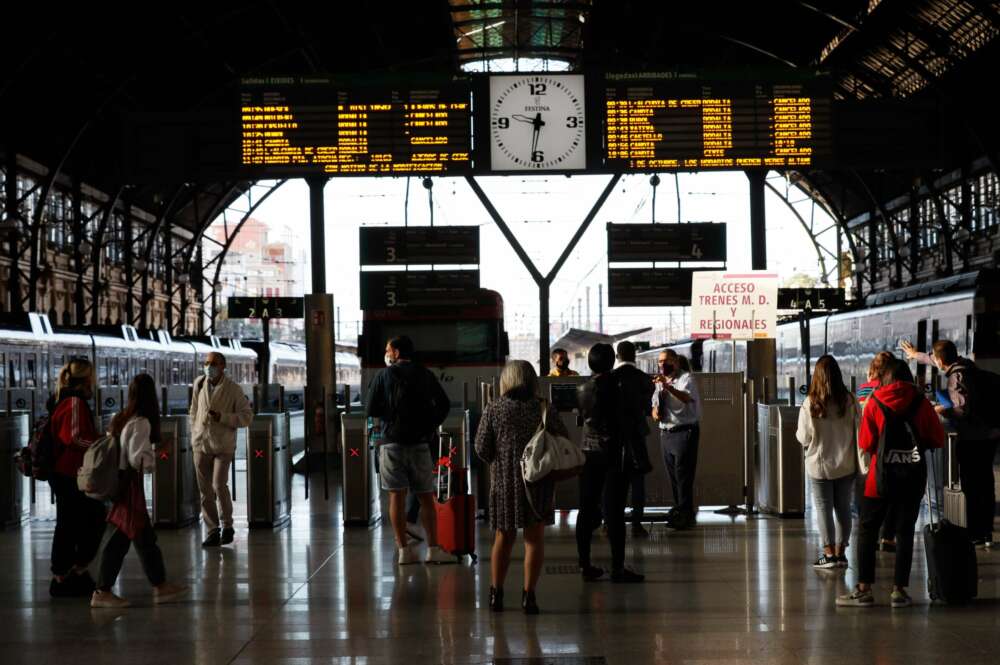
(636,393)
(507,425)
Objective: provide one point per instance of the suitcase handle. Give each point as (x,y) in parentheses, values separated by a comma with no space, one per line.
(932,478)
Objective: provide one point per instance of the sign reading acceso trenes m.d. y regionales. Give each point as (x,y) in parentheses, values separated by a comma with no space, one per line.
(731,305)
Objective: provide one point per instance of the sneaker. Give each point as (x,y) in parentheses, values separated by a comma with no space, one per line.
(591,573)
(437,555)
(825,562)
(227,536)
(408,554)
(626,576)
(841,561)
(857,598)
(900,598)
(108,600)
(639,531)
(167,593)
(214,539)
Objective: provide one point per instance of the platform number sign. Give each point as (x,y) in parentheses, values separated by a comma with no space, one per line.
(265,308)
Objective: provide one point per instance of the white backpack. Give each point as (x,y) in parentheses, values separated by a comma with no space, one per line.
(98,475)
(549,455)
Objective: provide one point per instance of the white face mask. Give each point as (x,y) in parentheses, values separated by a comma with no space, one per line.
(388,360)
(212,372)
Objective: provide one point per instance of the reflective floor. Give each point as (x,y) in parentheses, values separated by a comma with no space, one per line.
(731,591)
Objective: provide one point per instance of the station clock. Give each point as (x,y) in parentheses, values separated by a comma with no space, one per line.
(537,122)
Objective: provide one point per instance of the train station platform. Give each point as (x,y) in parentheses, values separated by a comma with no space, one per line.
(733,590)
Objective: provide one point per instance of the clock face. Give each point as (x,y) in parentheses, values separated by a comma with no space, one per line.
(537,122)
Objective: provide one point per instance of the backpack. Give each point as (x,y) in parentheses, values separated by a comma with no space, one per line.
(37,459)
(409,400)
(981,387)
(98,476)
(898,444)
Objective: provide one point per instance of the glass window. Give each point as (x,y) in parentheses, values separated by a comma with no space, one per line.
(3,371)
(30,377)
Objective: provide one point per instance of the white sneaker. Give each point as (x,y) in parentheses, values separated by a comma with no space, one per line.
(408,554)
(437,555)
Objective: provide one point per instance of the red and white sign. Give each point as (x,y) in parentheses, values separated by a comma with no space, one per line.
(731,305)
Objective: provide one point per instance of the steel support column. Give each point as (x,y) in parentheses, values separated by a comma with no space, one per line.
(317,233)
(80,310)
(128,252)
(12,217)
(758,220)
(544,283)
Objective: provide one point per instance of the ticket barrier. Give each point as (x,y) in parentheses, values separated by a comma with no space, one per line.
(15,499)
(175,483)
(780,460)
(269,481)
(361,501)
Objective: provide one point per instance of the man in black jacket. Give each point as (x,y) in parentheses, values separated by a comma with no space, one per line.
(411,404)
(635,390)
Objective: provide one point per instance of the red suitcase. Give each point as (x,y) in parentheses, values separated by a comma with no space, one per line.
(455,507)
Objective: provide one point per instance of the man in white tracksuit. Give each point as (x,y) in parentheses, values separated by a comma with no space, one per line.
(218,409)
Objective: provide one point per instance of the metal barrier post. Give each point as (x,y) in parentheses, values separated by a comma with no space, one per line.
(281,399)
(326,462)
(347,398)
(164,401)
(791,391)
(749,437)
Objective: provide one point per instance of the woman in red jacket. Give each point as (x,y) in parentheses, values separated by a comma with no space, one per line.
(79,519)
(898,417)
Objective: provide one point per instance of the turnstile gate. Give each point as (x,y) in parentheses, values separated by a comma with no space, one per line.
(781,487)
(14,493)
(175,483)
(269,469)
(361,500)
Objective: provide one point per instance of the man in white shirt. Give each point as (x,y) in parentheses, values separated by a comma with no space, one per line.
(677,407)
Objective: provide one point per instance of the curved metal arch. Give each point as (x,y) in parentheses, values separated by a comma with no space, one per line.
(219,258)
(812,236)
(887,219)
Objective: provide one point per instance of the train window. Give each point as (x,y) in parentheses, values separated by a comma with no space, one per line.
(102,372)
(3,371)
(30,366)
(14,370)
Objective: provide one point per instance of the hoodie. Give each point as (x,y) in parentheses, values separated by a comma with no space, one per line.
(897,396)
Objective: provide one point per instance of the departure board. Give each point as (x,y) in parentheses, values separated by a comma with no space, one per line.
(676,123)
(295,126)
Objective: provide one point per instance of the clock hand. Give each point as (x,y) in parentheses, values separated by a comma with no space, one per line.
(522,118)
(538,124)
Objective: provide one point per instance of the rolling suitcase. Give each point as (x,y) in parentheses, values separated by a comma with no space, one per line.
(455,507)
(952,574)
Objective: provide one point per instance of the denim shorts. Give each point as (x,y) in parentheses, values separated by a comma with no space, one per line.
(406,467)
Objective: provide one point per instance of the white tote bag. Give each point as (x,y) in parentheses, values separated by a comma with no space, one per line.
(548,454)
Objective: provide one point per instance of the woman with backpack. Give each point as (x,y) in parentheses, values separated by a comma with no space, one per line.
(506,427)
(898,427)
(79,519)
(827,424)
(136,428)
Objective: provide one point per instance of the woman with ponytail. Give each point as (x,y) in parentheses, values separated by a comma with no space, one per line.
(79,519)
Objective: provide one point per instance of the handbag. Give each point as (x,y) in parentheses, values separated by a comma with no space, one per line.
(549,455)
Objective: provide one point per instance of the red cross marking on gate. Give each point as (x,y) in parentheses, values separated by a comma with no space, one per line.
(164,456)
(355,452)
(258,453)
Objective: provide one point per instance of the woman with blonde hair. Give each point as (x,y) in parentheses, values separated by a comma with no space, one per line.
(79,519)
(828,421)
(507,425)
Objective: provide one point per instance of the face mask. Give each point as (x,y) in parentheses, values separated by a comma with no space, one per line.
(562,364)
(666,369)
(388,360)
(212,372)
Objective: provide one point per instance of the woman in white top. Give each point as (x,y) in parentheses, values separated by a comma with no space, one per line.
(828,423)
(128,522)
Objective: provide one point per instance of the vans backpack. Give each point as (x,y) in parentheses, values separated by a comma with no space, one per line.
(98,476)
(898,445)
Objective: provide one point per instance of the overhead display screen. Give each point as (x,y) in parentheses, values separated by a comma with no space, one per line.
(673,122)
(699,241)
(297,126)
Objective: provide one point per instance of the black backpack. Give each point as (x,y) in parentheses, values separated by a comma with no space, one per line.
(409,400)
(38,458)
(898,446)
(981,388)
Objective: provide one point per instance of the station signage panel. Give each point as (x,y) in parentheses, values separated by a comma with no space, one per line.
(418,288)
(264,308)
(817,300)
(730,305)
(649,287)
(675,121)
(308,125)
(391,245)
(703,241)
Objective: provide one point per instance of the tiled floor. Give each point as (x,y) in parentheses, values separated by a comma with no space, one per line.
(731,591)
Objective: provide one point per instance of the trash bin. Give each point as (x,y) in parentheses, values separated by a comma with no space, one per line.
(269,483)
(14,497)
(781,462)
(361,500)
(175,483)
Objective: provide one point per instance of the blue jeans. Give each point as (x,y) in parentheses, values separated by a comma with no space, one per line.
(829,497)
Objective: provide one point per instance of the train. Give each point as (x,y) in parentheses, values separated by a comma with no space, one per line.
(963,308)
(32,351)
